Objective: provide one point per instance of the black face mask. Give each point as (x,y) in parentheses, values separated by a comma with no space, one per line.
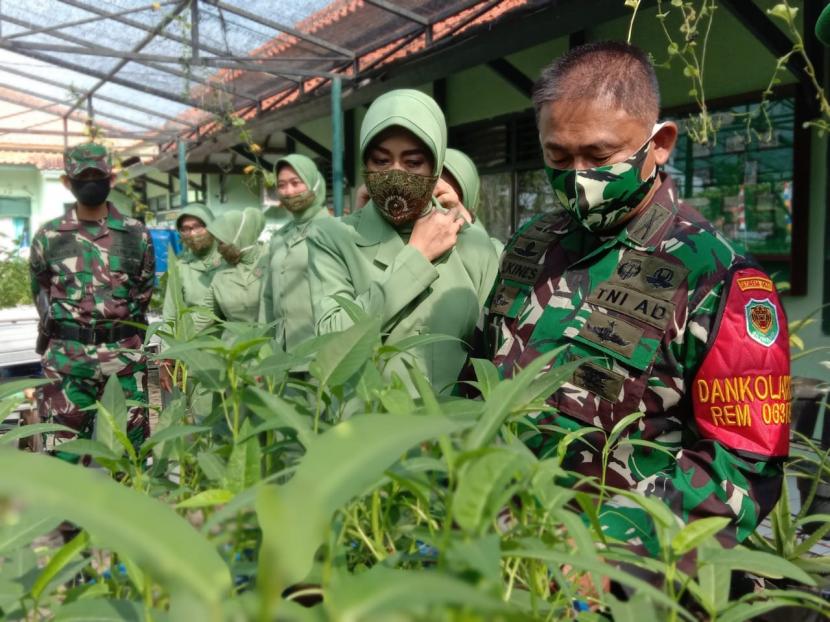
(90,192)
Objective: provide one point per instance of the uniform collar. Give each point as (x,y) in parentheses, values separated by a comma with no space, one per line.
(373,230)
(114,220)
(646,230)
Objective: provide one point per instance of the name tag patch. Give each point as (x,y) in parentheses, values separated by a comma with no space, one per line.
(520,271)
(630,302)
(611,333)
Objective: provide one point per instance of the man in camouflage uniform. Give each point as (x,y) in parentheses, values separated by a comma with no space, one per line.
(94,268)
(670,319)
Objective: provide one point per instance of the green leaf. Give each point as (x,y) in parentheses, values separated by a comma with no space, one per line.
(480,481)
(171,433)
(342,463)
(115,403)
(59,560)
(481,555)
(381,592)
(696,532)
(243,470)
(763,564)
(598,568)
(27,526)
(142,528)
(12,387)
(340,359)
(212,466)
(272,408)
(106,610)
(503,400)
(206,498)
(487,376)
(715,582)
(620,427)
(25,431)
(87,447)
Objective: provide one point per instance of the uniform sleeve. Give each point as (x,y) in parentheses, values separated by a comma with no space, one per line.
(738,351)
(147,277)
(38,268)
(409,276)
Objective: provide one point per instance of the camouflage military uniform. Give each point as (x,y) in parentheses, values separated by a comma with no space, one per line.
(680,327)
(94,274)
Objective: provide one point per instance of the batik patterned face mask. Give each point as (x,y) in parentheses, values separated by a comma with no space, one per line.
(600,198)
(297,202)
(400,197)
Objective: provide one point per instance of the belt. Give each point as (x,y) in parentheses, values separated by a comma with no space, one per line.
(89,335)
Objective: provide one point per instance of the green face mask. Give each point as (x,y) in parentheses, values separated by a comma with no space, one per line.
(298,202)
(400,197)
(599,198)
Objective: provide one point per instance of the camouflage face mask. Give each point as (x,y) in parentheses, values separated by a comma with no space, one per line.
(298,202)
(401,197)
(599,198)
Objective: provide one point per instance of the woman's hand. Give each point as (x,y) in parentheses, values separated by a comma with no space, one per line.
(436,233)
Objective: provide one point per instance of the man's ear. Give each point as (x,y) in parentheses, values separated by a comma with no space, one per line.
(65,182)
(112,180)
(664,141)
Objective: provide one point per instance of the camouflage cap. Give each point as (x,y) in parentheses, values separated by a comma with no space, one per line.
(823,26)
(81,157)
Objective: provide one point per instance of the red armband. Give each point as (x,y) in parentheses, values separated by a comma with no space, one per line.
(742,392)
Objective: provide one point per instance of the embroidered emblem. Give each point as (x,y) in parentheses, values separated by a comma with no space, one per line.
(528,248)
(628,270)
(644,228)
(755,282)
(503,299)
(762,321)
(662,278)
(595,379)
(606,333)
(611,333)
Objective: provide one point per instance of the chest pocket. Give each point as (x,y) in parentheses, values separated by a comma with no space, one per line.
(124,262)
(65,255)
(620,326)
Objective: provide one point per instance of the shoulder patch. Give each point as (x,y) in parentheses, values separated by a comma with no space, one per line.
(755,282)
(742,393)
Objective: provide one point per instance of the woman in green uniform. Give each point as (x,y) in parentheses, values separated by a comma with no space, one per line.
(461,174)
(286,298)
(234,295)
(402,257)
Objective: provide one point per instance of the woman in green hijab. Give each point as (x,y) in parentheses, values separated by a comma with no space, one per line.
(286,298)
(461,174)
(234,295)
(402,257)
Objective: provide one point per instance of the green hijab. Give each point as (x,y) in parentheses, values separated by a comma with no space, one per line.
(240,229)
(465,173)
(413,111)
(306,170)
(197,210)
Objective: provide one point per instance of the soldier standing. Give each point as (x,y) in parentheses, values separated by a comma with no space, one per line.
(677,324)
(95,269)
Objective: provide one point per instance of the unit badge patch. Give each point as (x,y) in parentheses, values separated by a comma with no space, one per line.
(762,321)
